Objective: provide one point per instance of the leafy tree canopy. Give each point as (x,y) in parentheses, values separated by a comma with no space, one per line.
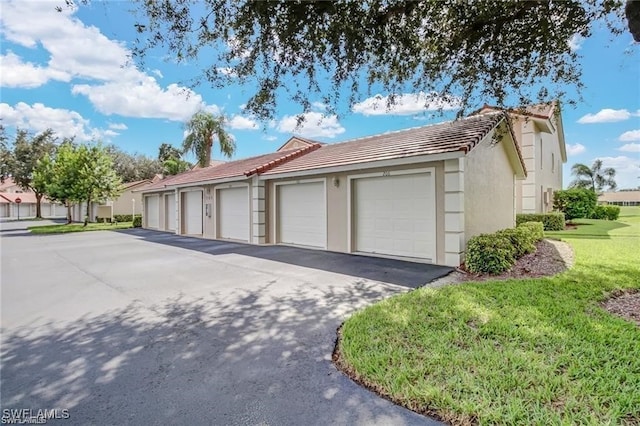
(134,167)
(478,51)
(202,129)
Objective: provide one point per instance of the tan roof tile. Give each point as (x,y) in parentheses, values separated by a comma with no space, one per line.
(459,135)
(239,168)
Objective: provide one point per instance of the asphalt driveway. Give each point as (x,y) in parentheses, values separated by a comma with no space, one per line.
(141,327)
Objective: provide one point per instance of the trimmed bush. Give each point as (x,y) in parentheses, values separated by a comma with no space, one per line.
(575,203)
(605,213)
(521,238)
(552,221)
(534,229)
(137,222)
(124,217)
(490,253)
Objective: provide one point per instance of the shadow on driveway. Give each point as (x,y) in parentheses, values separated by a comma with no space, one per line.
(250,357)
(399,272)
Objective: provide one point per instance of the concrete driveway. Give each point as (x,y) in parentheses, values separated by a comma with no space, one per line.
(141,327)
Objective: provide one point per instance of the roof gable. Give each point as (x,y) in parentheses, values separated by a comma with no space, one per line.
(297,142)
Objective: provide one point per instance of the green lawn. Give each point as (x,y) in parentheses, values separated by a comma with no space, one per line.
(78,227)
(537,351)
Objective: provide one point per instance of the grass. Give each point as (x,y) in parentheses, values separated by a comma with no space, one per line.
(538,351)
(79,227)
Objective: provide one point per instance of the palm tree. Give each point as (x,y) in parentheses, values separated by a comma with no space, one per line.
(201,129)
(594,178)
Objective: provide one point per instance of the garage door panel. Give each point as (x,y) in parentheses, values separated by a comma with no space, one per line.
(233,213)
(151,211)
(302,214)
(170,212)
(192,213)
(394,215)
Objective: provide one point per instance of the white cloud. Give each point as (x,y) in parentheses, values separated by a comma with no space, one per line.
(110,133)
(144,99)
(627,170)
(606,115)
(405,104)
(239,122)
(38,118)
(315,124)
(118,126)
(630,136)
(78,51)
(270,138)
(575,42)
(16,73)
(158,73)
(227,71)
(320,106)
(630,147)
(575,149)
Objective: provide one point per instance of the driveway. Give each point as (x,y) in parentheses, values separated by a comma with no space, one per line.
(150,328)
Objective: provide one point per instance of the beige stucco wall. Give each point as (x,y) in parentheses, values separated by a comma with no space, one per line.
(337,205)
(543,159)
(489,187)
(124,205)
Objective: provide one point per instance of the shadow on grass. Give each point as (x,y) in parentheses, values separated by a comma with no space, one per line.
(246,358)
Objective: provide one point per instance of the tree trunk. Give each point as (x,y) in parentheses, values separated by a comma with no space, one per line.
(38,206)
(69,219)
(86,218)
(207,153)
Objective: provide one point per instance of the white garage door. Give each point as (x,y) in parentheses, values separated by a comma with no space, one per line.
(192,213)
(302,214)
(4,210)
(45,209)
(25,209)
(395,215)
(170,212)
(233,213)
(152,211)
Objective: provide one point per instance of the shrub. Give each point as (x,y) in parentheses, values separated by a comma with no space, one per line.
(552,221)
(605,213)
(534,229)
(137,221)
(124,217)
(575,203)
(522,239)
(490,253)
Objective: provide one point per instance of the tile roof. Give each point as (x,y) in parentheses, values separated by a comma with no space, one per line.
(128,185)
(451,136)
(25,197)
(240,168)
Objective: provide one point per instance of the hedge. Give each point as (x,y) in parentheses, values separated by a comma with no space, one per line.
(137,222)
(535,230)
(522,240)
(575,203)
(124,217)
(551,221)
(490,254)
(605,213)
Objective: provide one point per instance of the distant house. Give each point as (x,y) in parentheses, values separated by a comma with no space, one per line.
(10,192)
(620,198)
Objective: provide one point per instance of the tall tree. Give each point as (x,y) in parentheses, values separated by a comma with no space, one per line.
(594,178)
(167,151)
(493,51)
(27,150)
(58,173)
(97,179)
(202,128)
(5,154)
(134,167)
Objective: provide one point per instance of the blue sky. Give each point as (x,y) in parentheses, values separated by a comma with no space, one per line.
(69,71)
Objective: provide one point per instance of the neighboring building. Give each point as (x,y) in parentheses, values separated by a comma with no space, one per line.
(130,200)
(418,194)
(539,132)
(10,191)
(620,198)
